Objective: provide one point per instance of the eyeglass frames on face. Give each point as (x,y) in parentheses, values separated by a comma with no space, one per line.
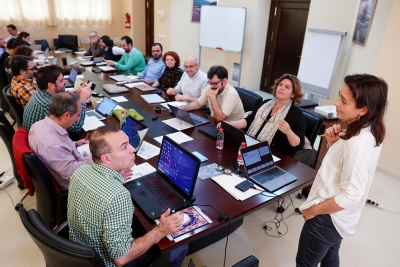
(189,67)
(216,83)
(92,36)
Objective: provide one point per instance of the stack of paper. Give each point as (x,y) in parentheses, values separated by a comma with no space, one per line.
(178,137)
(175,104)
(84,150)
(134,84)
(147,150)
(141,170)
(152,98)
(228,182)
(107,68)
(91,123)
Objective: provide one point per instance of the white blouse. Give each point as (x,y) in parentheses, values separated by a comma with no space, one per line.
(346,174)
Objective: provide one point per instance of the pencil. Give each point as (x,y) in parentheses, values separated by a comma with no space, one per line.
(342,132)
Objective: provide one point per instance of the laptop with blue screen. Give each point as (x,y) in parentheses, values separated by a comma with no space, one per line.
(171,186)
(135,130)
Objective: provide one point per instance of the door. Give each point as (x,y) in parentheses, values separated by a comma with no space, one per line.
(149,26)
(286,30)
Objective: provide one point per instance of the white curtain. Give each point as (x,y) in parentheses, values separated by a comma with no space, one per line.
(35,12)
(9,13)
(86,12)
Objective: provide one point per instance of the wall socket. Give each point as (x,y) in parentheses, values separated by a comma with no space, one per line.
(161,35)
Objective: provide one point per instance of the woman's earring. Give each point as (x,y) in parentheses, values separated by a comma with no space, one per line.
(358,118)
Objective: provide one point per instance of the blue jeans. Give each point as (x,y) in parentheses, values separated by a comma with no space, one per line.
(319,243)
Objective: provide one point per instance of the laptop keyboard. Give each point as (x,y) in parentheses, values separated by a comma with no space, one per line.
(92,113)
(165,197)
(268,175)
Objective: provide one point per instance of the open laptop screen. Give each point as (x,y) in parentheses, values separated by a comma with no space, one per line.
(72,75)
(106,106)
(258,158)
(133,130)
(178,166)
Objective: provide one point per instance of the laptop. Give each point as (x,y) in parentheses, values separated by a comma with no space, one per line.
(135,130)
(171,186)
(104,109)
(71,79)
(54,61)
(237,136)
(187,117)
(260,168)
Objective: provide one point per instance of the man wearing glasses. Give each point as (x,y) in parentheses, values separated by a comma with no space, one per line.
(95,49)
(155,67)
(192,84)
(220,97)
(22,84)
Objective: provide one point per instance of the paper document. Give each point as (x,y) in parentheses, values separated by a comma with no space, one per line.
(178,124)
(147,150)
(228,182)
(119,99)
(83,58)
(141,170)
(121,78)
(133,85)
(43,57)
(80,52)
(175,104)
(107,68)
(275,158)
(62,51)
(101,64)
(152,98)
(178,137)
(79,76)
(84,150)
(91,123)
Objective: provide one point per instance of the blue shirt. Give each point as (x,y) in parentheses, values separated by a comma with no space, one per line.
(153,70)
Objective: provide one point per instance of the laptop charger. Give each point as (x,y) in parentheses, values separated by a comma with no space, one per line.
(6,181)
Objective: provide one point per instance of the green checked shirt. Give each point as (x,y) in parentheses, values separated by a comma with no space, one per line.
(100,211)
(37,109)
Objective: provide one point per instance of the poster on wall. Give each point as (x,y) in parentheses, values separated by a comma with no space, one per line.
(197,4)
(364,20)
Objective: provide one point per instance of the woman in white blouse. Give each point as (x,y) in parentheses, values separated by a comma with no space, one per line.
(337,197)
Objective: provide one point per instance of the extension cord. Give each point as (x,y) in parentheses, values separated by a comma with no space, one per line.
(6,181)
(375,204)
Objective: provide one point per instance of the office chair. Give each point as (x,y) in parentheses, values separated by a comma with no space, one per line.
(85,41)
(43,43)
(9,74)
(249,99)
(15,109)
(313,126)
(3,103)
(7,133)
(58,251)
(146,58)
(56,43)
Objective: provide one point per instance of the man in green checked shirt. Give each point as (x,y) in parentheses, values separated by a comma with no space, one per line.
(100,209)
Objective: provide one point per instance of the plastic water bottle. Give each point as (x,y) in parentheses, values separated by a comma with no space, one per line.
(240,162)
(122,118)
(220,139)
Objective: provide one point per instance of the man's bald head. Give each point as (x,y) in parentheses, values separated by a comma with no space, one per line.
(191,65)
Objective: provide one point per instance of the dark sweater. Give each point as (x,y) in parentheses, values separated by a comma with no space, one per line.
(297,124)
(110,56)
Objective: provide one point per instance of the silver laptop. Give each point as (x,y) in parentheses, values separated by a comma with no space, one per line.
(260,168)
(71,79)
(187,117)
(103,110)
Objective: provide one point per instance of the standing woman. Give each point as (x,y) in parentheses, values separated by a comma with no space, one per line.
(172,73)
(337,197)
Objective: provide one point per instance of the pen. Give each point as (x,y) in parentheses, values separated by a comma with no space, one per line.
(340,134)
(87,137)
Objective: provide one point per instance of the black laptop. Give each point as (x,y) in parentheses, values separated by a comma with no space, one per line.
(237,136)
(171,186)
(71,79)
(135,130)
(260,168)
(187,117)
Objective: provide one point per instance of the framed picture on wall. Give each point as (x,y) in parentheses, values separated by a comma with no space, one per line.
(197,4)
(364,20)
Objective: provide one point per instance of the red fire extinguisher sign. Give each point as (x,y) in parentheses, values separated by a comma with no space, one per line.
(127,21)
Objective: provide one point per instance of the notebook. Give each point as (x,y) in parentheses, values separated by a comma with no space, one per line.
(71,79)
(260,168)
(171,186)
(145,87)
(152,98)
(135,130)
(104,109)
(237,136)
(187,117)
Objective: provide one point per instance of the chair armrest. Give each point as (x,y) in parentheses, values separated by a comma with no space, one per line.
(306,156)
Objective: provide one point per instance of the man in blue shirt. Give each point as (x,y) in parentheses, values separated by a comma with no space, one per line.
(155,67)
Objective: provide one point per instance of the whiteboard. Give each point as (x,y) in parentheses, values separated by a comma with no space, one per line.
(222,27)
(319,60)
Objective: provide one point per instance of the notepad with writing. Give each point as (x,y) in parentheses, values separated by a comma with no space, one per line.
(152,98)
(193,218)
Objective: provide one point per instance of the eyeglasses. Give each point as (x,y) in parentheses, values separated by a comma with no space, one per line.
(92,36)
(189,67)
(216,83)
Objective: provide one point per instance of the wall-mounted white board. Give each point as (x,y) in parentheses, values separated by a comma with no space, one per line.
(319,60)
(222,27)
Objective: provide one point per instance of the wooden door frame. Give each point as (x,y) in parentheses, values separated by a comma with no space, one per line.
(149,25)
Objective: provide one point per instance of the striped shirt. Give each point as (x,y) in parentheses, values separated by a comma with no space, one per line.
(22,89)
(100,211)
(37,109)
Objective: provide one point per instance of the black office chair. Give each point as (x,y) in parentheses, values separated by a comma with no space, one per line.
(49,204)
(146,58)
(7,133)
(56,43)
(3,103)
(9,74)
(43,43)
(249,99)
(314,123)
(58,251)
(15,109)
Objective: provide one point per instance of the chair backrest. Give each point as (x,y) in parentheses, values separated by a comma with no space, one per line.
(249,99)
(3,103)
(9,74)
(314,123)
(56,43)
(146,58)
(44,44)
(85,41)
(46,196)
(58,251)
(16,109)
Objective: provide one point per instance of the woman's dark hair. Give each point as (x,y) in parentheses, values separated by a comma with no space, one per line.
(371,92)
(23,35)
(10,43)
(174,55)
(107,41)
(21,50)
(296,86)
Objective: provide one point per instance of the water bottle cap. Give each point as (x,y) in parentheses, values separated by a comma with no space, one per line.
(221,130)
(122,111)
(243,144)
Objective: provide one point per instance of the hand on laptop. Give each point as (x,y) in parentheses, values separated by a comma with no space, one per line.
(170,223)
(84,93)
(127,174)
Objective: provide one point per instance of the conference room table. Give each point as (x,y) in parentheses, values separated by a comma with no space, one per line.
(207,192)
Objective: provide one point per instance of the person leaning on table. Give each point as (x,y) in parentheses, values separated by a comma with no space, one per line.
(338,194)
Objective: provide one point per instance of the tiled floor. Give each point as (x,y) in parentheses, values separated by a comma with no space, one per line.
(375,243)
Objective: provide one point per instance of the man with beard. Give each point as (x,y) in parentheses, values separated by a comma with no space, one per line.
(155,67)
(132,60)
(22,84)
(95,49)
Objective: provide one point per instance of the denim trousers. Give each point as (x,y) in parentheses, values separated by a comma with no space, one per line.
(319,243)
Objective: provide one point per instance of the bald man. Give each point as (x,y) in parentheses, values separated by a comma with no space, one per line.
(192,84)
(95,49)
